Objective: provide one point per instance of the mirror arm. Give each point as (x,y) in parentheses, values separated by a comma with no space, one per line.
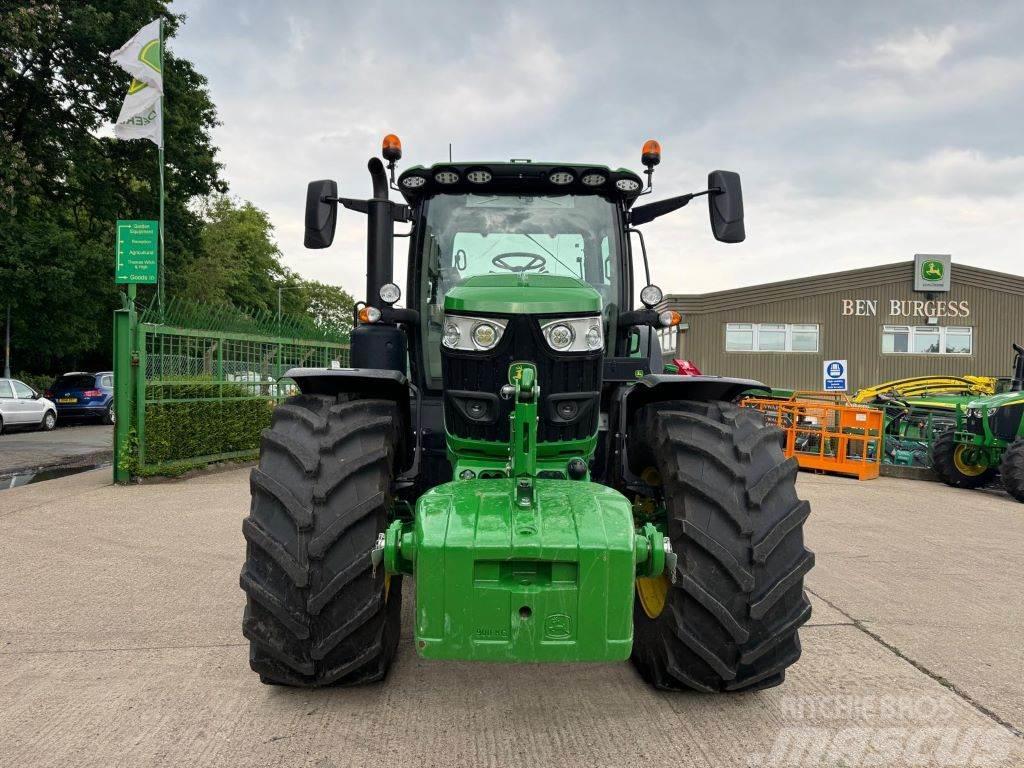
(645,213)
(398,212)
(353,205)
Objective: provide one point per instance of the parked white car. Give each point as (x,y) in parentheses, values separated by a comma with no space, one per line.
(21,407)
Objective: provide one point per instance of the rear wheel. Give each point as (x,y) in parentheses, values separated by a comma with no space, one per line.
(952,463)
(730,620)
(108,415)
(317,612)
(1012,469)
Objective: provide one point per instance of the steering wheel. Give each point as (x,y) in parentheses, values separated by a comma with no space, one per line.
(536,261)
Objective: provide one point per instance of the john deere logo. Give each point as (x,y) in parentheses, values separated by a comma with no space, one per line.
(150,55)
(932,270)
(558,626)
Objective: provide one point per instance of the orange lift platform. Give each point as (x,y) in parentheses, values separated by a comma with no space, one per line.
(826,432)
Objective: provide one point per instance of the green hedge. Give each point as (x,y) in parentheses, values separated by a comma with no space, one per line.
(40,382)
(184,431)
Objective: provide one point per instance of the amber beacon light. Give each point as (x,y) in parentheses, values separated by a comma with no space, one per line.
(391,148)
(651,153)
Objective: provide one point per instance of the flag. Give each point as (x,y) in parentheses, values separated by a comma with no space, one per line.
(141,56)
(141,114)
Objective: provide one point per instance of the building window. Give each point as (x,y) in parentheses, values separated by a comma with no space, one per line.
(669,338)
(927,340)
(771,337)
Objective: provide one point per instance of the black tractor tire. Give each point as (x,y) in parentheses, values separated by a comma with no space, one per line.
(1012,469)
(730,618)
(944,463)
(317,612)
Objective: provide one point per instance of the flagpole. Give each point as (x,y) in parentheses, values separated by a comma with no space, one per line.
(160,153)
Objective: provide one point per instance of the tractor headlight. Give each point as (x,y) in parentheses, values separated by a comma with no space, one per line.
(560,336)
(484,335)
(390,293)
(472,334)
(651,295)
(574,334)
(452,334)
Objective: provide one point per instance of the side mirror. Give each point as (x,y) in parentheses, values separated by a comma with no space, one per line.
(726,206)
(321,213)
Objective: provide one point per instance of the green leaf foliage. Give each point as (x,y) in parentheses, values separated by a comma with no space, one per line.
(208,424)
(64,181)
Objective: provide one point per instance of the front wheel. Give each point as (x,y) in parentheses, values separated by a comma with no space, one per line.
(49,421)
(952,463)
(729,620)
(1012,469)
(318,612)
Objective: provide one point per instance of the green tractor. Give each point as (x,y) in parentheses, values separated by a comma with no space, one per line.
(988,439)
(553,496)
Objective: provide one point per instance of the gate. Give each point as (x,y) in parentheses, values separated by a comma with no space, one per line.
(186,396)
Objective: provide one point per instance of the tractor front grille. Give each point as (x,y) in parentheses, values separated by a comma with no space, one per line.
(1006,421)
(973,424)
(576,376)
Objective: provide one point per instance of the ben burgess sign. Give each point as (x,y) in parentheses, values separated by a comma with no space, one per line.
(907,308)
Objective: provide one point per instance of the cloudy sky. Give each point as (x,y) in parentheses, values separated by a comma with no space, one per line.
(864,132)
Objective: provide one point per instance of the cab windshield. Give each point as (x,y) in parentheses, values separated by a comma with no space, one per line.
(468,235)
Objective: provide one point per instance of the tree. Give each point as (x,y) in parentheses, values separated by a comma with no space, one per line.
(62,185)
(240,263)
(330,306)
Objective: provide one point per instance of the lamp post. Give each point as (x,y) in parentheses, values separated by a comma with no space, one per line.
(281,288)
(7,345)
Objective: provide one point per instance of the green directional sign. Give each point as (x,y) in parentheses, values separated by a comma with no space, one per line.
(137,252)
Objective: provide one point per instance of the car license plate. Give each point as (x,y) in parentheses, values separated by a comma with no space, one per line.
(67,400)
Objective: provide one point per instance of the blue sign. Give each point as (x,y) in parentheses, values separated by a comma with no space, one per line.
(835,376)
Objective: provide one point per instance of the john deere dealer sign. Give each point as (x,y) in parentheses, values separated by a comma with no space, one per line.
(136,252)
(932,272)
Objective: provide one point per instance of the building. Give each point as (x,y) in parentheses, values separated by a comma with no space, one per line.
(918,318)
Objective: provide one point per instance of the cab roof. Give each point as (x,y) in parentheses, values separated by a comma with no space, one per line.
(522,176)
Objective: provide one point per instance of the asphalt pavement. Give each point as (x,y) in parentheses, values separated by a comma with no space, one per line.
(121,644)
(67,445)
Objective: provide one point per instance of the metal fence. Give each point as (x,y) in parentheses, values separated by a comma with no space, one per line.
(187,395)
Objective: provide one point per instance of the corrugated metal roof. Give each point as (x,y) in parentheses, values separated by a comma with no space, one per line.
(834,283)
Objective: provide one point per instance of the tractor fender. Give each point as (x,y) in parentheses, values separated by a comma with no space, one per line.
(656,388)
(660,387)
(376,383)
